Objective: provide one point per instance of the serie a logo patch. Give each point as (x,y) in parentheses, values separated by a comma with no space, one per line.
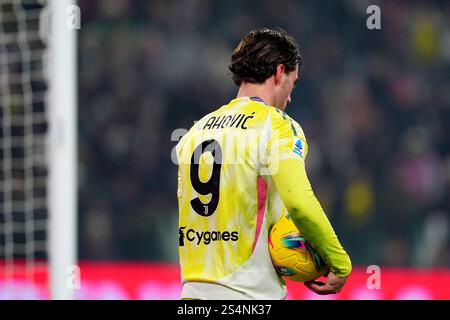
(298,147)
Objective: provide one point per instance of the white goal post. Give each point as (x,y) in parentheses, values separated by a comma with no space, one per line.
(62,180)
(38,149)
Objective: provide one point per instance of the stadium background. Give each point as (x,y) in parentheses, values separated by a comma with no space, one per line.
(374,104)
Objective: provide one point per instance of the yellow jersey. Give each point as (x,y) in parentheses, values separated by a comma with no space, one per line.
(228,200)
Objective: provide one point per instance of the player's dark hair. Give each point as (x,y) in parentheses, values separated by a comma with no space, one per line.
(260,52)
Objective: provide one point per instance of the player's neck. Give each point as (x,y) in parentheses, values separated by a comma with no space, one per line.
(256,90)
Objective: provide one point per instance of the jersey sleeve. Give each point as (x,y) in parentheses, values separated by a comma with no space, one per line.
(287,150)
(287,140)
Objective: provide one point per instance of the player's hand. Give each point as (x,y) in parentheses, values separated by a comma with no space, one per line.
(333,285)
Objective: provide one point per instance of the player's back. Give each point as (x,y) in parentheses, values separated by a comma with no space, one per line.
(222,203)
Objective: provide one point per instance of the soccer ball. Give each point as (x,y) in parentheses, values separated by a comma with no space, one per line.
(292,256)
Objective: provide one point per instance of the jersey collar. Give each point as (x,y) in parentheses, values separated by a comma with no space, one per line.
(258,99)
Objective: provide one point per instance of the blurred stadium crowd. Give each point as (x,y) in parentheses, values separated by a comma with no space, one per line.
(374,105)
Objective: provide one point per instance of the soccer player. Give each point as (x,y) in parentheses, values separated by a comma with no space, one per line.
(241,167)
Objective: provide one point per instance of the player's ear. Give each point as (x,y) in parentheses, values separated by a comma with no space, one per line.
(280,70)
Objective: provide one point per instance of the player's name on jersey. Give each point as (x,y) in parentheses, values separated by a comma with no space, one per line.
(232,120)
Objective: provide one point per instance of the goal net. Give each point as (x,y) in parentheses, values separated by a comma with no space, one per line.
(30,226)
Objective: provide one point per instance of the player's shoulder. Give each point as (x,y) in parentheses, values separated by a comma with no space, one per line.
(282,121)
(299,129)
(194,127)
(200,124)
